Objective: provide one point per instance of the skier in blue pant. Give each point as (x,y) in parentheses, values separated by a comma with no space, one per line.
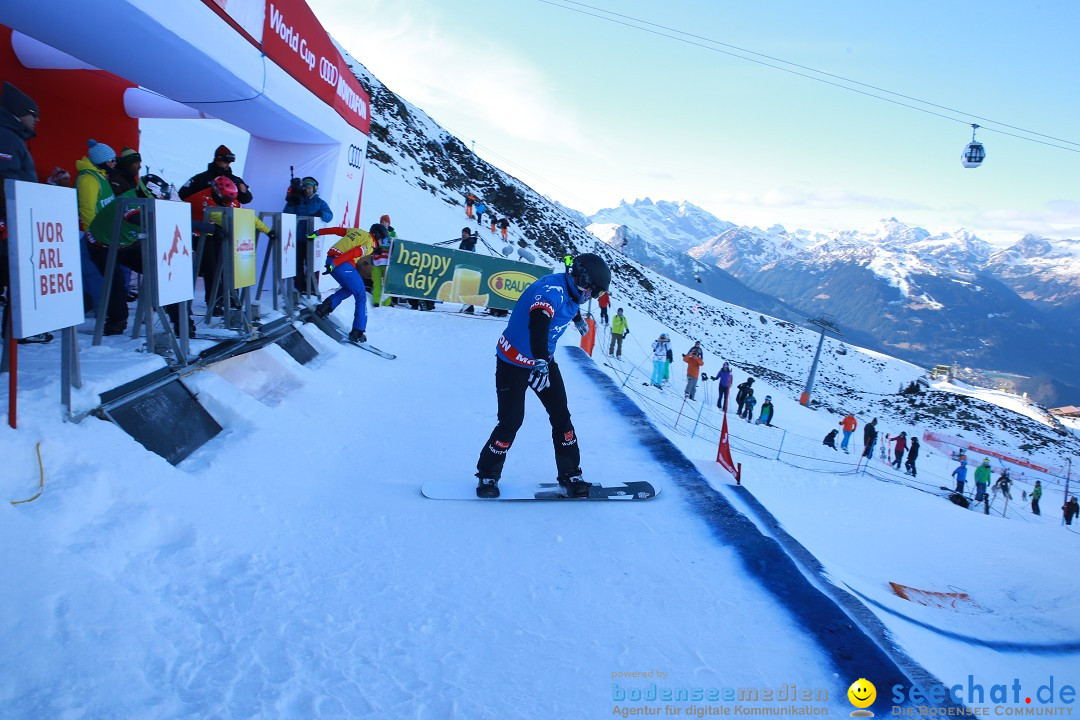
(524,359)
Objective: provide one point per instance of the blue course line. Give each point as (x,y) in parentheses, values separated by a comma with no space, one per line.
(853,652)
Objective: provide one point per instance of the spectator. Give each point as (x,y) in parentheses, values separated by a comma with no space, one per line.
(604,301)
(341,265)
(1072,509)
(302,199)
(694,361)
(221,193)
(619,330)
(748,405)
(93,191)
(59,177)
(848,425)
(220,166)
(982,479)
(18,120)
(661,347)
(912,456)
(960,473)
(725,378)
(740,397)
(125,183)
(901,446)
(494,221)
(380,258)
(767,412)
(1036,495)
(830,439)
(504,227)
(480,209)
(468,241)
(470,200)
(869,438)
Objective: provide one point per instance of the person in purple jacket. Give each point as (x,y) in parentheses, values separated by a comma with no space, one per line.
(525,358)
(724,376)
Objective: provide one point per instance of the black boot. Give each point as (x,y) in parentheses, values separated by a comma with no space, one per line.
(487,487)
(357,336)
(324,308)
(575,485)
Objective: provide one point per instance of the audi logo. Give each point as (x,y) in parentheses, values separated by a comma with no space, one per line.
(356,157)
(328,71)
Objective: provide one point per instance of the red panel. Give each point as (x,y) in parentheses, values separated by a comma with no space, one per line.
(74,105)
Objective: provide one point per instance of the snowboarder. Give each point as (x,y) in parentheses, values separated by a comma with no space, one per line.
(767,412)
(848,425)
(619,330)
(725,377)
(869,435)
(660,349)
(912,456)
(982,479)
(830,439)
(341,265)
(524,359)
(1036,494)
(901,446)
(1072,509)
(960,473)
(693,361)
(740,397)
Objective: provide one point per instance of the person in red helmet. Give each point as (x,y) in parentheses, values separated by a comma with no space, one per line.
(221,192)
(220,166)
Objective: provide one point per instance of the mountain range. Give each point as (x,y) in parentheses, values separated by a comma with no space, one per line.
(929,298)
(894,288)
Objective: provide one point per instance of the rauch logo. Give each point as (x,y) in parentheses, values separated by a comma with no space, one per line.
(510,284)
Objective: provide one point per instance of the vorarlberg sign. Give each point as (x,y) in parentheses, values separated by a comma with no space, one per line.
(43,253)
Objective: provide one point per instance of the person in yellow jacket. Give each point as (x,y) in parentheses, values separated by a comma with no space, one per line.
(341,265)
(93,192)
(619,330)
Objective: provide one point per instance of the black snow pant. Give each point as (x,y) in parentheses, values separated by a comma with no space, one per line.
(1035,506)
(511,384)
(899,458)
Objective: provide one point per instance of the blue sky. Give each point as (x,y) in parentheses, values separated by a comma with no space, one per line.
(591,112)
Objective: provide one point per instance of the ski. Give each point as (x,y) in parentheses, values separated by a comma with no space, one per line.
(331,328)
(510,490)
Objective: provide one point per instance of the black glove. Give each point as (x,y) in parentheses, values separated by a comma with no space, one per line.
(539,379)
(581,325)
(328,269)
(625,333)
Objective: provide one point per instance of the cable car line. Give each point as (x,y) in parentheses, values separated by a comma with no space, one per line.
(810,77)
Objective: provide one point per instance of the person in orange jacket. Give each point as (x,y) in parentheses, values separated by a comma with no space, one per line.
(694,361)
(341,261)
(604,301)
(848,425)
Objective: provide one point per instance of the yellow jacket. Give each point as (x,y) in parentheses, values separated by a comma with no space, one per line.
(353,245)
(92,190)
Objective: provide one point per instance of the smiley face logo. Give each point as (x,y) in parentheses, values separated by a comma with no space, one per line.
(862,694)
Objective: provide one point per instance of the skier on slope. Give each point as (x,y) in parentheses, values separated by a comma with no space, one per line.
(960,473)
(982,479)
(525,358)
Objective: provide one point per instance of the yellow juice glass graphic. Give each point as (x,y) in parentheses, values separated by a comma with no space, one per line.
(466,281)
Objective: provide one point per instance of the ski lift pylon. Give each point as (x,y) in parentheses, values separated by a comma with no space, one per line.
(974,153)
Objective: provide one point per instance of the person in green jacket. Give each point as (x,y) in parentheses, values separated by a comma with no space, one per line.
(619,330)
(982,479)
(1035,495)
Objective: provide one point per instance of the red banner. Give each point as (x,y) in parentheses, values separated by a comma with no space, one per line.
(943,442)
(723,452)
(295,40)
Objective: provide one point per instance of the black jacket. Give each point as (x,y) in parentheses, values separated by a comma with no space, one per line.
(15,163)
(204,179)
